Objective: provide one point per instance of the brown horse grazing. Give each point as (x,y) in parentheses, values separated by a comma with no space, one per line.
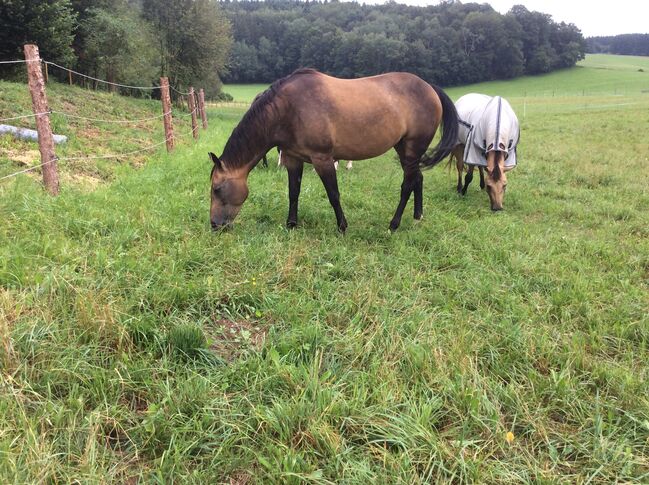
(315,118)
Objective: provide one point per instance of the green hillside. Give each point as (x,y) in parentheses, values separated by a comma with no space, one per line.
(86,137)
(139,347)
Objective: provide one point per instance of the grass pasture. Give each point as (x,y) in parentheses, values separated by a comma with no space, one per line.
(139,347)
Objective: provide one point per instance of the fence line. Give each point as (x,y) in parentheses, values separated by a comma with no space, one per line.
(178,92)
(17,61)
(150,88)
(98,120)
(39,100)
(91,157)
(31,115)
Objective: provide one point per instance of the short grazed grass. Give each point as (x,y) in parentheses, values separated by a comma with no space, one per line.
(139,346)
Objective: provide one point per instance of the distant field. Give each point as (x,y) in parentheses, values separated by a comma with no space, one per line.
(244,92)
(608,61)
(598,74)
(471,347)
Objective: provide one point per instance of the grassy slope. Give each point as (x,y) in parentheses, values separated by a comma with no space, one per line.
(386,359)
(86,138)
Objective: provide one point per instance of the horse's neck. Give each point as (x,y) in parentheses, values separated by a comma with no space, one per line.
(250,154)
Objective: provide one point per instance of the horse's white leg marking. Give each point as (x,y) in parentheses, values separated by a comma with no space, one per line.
(349,165)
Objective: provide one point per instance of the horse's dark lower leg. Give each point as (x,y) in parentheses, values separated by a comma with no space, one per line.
(407,187)
(265,161)
(482,184)
(328,176)
(467,180)
(460,170)
(294,184)
(419,195)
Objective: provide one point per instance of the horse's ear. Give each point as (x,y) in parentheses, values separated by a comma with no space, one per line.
(216,161)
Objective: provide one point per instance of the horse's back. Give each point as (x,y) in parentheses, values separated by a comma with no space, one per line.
(381,109)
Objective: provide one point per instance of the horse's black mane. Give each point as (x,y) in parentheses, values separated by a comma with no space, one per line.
(256,121)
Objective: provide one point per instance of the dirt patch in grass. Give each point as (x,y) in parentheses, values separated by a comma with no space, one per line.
(240,478)
(231,339)
(22,157)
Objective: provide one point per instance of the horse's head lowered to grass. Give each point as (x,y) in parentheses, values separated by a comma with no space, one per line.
(228,193)
(496,180)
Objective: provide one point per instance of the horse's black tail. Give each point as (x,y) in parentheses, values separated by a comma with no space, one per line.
(450,127)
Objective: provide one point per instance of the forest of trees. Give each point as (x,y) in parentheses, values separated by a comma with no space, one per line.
(130,41)
(448,44)
(200,42)
(626,44)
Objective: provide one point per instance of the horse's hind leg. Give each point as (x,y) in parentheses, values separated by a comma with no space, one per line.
(419,194)
(458,154)
(325,168)
(468,179)
(482,184)
(294,169)
(413,180)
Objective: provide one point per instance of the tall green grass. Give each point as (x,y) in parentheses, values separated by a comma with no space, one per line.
(139,346)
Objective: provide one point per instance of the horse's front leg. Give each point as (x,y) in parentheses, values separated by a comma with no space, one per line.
(294,169)
(325,169)
(482,184)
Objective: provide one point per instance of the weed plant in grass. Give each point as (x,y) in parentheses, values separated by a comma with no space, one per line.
(138,345)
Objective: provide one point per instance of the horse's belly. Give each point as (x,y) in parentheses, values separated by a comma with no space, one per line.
(361,143)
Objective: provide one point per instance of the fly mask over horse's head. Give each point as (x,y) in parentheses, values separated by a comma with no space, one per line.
(497,136)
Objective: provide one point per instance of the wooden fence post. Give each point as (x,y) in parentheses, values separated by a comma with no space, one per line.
(192,109)
(41,113)
(201,104)
(166,111)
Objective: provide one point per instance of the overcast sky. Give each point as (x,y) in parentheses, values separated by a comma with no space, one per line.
(593,17)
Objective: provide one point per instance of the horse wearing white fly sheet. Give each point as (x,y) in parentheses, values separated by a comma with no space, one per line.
(487,123)
(488,135)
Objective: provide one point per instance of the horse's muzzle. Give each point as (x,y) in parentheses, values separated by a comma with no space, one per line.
(221,226)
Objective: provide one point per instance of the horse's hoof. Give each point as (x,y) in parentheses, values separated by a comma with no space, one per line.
(419,217)
(291,224)
(394,226)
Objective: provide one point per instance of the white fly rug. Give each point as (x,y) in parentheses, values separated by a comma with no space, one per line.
(486,124)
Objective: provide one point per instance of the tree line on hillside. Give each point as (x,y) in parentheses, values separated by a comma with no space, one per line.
(132,42)
(626,44)
(450,43)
